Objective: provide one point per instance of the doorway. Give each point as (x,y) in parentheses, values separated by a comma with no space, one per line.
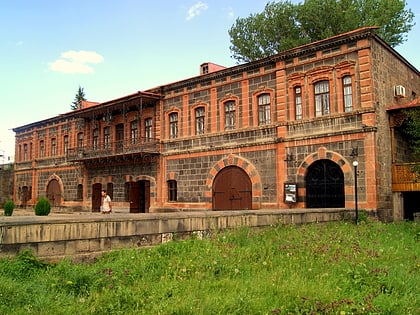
(96,197)
(140,196)
(325,185)
(411,208)
(232,190)
(54,192)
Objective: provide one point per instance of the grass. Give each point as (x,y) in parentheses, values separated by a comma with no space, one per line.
(332,268)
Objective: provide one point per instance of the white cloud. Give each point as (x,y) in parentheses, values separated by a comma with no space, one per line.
(196,9)
(76,62)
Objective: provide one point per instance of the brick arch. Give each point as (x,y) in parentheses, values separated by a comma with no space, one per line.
(56,199)
(246,166)
(152,181)
(56,177)
(323,153)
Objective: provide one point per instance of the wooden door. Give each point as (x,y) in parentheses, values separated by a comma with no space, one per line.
(54,193)
(96,197)
(232,190)
(140,196)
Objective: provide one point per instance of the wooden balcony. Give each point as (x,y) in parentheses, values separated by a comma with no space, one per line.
(115,150)
(403,177)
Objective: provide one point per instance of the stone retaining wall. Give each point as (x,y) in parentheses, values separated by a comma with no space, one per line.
(82,237)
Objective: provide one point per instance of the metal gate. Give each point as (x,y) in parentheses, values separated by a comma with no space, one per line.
(54,193)
(232,190)
(324,185)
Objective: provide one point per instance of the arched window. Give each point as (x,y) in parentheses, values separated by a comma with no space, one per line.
(148,129)
(347,94)
(172,190)
(65,144)
(95,139)
(264,108)
(107,137)
(199,121)
(134,130)
(230,115)
(322,98)
(298,102)
(173,125)
(53,147)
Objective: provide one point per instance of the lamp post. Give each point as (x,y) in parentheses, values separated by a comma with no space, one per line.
(355,164)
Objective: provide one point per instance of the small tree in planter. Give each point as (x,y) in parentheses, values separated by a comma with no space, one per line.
(42,207)
(8,207)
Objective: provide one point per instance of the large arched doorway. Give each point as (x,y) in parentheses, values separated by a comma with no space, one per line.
(232,190)
(324,185)
(54,192)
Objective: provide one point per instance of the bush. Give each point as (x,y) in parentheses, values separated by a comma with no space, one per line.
(8,207)
(42,207)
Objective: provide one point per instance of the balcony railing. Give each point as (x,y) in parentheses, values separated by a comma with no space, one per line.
(117,148)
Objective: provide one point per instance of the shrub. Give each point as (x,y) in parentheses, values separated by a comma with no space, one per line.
(42,207)
(8,207)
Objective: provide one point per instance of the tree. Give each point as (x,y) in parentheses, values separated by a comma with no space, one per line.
(80,96)
(411,128)
(283,25)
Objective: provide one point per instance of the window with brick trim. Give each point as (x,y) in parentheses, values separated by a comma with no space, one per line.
(199,121)
(347,94)
(65,144)
(264,108)
(79,192)
(298,102)
(80,141)
(172,190)
(25,152)
(148,129)
(322,98)
(95,139)
(173,125)
(107,137)
(110,190)
(230,115)
(53,147)
(134,131)
(42,148)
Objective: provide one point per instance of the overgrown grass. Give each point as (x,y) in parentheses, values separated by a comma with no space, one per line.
(334,268)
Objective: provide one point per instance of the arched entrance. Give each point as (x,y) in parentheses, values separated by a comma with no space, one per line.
(96,197)
(232,190)
(140,196)
(54,192)
(324,185)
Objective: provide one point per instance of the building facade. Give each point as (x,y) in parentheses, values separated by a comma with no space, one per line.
(281,132)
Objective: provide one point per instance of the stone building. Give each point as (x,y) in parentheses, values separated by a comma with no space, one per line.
(281,132)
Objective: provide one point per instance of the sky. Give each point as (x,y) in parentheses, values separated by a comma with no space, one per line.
(112,48)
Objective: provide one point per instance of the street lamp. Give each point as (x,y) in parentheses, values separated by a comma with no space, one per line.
(355,164)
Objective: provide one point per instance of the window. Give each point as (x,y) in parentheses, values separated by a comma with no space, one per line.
(322,98)
(199,121)
(107,138)
(148,129)
(53,147)
(79,192)
(347,94)
(95,139)
(172,190)
(25,152)
(173,125)
(127,190)
(134,131)
(298,102)
(80,141)
(230,115)
(41,148)
(65,144)
(30,150)
(110,190)
(264,109)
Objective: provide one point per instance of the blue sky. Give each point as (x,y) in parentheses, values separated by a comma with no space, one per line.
(112,48)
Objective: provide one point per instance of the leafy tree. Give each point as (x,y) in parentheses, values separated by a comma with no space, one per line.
(411,128)
(283,25)
(80,96)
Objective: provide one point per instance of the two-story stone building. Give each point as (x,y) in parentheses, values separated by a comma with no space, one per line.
(280,132)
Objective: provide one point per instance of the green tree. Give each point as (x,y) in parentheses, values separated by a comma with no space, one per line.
(283,25)
(411,128)
(80,96)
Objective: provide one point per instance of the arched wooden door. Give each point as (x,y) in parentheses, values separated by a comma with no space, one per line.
(140,196)
(324,185)
(232,190)
(96,197)
(54,192)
